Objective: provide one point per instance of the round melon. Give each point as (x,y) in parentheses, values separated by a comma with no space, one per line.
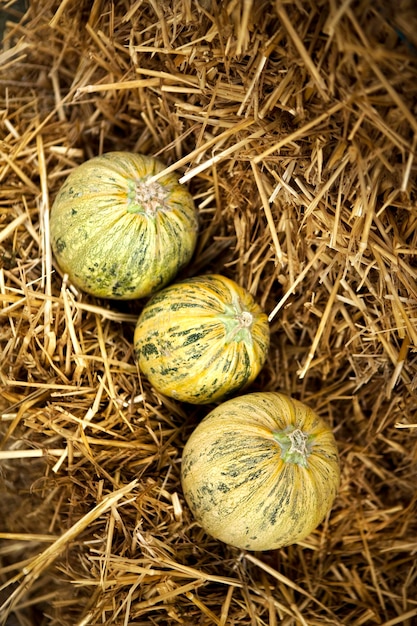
(201,339)
(260,471)
(118,234)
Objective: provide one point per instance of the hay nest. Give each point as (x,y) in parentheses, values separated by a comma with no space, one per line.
(294,126)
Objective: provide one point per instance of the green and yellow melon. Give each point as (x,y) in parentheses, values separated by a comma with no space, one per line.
(201,339)
(260,471)
(116,232)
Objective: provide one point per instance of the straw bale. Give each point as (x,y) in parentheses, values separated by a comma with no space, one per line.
(294,124)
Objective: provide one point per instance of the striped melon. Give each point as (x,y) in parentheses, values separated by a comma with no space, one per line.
(118,235)
(260,471)
(201,339)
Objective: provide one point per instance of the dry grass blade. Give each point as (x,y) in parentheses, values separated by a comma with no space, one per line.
(34,569)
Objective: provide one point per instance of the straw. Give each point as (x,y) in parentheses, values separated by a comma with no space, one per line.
(293,124)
